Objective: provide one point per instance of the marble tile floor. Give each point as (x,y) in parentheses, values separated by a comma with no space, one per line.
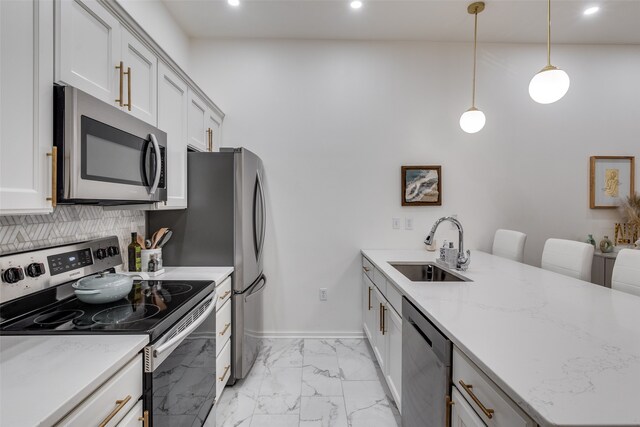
(310,383)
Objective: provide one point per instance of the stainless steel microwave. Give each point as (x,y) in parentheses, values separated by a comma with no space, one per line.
(105,156)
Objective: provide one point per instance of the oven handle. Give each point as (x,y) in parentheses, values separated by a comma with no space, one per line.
(182,335)
(156,179)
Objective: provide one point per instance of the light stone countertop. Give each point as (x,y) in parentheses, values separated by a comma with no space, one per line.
(215,274)
(566,351)
(43,378)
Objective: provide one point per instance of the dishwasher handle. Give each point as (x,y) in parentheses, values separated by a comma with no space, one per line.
(440,344)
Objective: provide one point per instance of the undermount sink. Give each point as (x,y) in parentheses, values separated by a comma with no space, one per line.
(427,272)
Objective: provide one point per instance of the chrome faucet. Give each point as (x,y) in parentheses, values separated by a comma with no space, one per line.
(463,258)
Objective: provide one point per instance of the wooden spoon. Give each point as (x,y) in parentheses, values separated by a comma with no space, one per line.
(157,236)
(140,241)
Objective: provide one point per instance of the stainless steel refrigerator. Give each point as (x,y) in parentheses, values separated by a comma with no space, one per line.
(224,225)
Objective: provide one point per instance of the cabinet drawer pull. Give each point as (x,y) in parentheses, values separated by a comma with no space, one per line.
(128,104)
(369,297)
(121,90)
(447,414)
(119,405)
(384,326)
(380,317)
(54,176)
(144,418)
(225,294)
(469,389)
(226,326)
(224,374)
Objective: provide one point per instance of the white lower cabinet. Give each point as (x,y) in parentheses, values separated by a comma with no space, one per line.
(135,417)
(462,415)
(223,335)
(109,404)
(383,328)
(26,107)
(223,369)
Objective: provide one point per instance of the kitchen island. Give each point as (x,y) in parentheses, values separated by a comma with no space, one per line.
(565,351)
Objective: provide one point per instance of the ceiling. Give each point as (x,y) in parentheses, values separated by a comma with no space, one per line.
(517,21)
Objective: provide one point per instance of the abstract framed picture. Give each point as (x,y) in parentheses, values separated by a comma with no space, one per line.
(421,186)
(611,180)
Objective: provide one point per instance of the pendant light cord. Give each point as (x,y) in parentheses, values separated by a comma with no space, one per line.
(475,43)
(549,33)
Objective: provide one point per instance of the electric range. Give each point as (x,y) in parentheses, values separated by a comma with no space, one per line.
(37,298)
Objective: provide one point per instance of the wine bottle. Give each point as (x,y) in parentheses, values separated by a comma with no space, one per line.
(134,249)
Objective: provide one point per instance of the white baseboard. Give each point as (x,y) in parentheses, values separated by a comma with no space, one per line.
(318,335)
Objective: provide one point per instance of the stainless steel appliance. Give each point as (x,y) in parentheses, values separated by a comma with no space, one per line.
(426,371)
(225,225)
(37,297)
(105,156)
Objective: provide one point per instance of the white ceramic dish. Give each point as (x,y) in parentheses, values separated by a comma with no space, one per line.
(103,288)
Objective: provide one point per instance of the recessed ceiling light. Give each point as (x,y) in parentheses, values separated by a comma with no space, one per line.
(356,4)
(591,10)
(234,2)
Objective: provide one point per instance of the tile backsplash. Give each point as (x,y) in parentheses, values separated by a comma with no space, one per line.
(68,224)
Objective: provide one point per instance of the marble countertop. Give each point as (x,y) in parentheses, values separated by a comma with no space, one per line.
(42,378)
(566,351)
(215,274)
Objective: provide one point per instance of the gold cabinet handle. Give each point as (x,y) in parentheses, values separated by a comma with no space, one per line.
(128,104)
(225,295)
(384,326)
(144,418)
(209,139)
(119,405)
(121,91)
(469,389)
(380,317)
(54,176)
(226,326)
(224,374)
(447,414)
(369,297)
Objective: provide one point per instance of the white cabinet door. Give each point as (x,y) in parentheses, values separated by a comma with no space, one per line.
(213,124)
(197,115)
(26,102)
(368,312)
(172,118)
(462,415)
(88,48)
(393,374)
(141,80)
(379,343)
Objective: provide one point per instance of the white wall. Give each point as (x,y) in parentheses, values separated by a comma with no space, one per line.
(334,121)
(154,17)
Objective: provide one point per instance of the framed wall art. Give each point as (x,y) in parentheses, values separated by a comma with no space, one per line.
(421,186)
(611,180)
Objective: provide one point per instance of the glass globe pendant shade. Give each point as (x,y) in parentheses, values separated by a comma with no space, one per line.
(549,85)
(472,120)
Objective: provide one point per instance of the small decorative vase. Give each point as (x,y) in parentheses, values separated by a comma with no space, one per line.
(606,245)
(590,240)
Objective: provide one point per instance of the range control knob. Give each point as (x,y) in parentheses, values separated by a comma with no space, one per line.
(12,275)
(35,269)
(113,250)
(101,253)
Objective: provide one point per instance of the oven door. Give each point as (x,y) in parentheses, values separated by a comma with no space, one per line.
(180,370)
(109,156)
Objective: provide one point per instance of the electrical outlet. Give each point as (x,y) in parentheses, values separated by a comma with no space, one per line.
(408,223)
(396,223)
(323,294)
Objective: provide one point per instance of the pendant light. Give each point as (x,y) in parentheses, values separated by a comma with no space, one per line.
(551,83)
(473,120)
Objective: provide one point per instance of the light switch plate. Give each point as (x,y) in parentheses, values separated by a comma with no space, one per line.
(408,223)
(396,223)
(323,294)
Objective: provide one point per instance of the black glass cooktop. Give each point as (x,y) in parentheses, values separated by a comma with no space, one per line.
(151,307)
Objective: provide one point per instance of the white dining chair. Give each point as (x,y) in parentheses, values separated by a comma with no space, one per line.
(626,272)
(509,244)
(568,257)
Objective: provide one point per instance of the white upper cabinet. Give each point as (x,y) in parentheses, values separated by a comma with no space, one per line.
(97,55)
(26,101)
(197,113)
(213,124)
(87,48)
(172,118)
(141,79)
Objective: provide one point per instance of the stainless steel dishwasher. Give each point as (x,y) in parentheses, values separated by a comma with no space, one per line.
(426,371)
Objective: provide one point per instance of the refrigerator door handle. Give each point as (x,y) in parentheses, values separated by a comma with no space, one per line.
(264,216)
(256,288)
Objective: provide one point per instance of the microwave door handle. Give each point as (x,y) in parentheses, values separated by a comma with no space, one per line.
(156,179)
